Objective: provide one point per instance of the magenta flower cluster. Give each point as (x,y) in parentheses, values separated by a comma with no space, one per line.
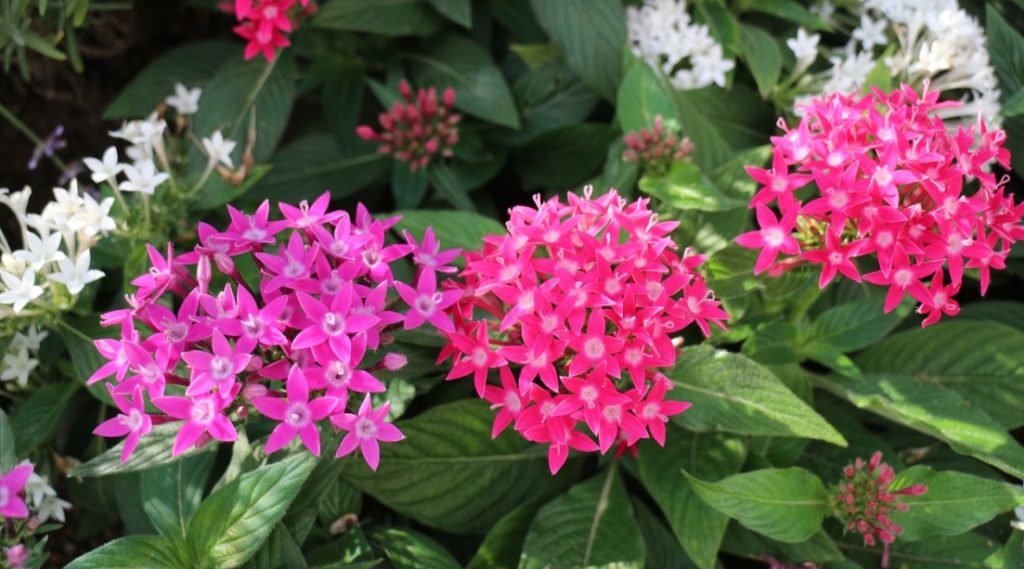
(582,300)
(12,491)
(207,345)
(864,500)
(891,185)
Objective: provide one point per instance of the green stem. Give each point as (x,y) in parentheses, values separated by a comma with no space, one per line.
(29,134)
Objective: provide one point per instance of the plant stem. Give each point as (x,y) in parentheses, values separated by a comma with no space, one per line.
(29,134)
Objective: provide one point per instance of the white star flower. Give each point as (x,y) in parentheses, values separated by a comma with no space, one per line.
(52,507)
(142,177)
(75,275)
(37,489)
(17,366)
(40,251)
(30,338)
(106,169)
(804,47)
(20,291)
(184,100)
(219,149)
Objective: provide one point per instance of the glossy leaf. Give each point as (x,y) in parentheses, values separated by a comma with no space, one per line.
(8,457)
(642,97)
(392,18)
(685,187)
(458,11)
(154,450)
(408,549)
(133,552)
(762,56)
(504,543)
(172,493)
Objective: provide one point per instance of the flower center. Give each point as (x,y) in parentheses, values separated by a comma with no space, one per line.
(202,412)
(883,177)
(425,304)
(333,325)
(612,413)
(588,395)
(835,258)
(773,237)
(366,429)
(650,410)
(5,496)
(220,367)
(253,326)
(593,348)
(297,415)
(513,403)
(338,373)
(133,420)
(480,357)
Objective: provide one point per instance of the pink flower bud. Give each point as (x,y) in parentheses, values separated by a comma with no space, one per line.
(405,90)
(394,361)
(366,132)
(253,390)
(449,97)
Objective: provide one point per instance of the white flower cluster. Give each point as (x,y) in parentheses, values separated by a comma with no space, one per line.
(932,41)
(55,248)
(662,33)
(22,355)
(42,499)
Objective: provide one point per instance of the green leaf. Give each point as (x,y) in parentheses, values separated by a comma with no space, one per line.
(662,549)
(1014,106)
(818,548)
(172,493)
(315,163)
(787,504)
(941,413)
(734,394)
(192,65)
(1006,47)
(85,360)
(458,11)
(548,98)
(342,98)
(720,123)
(590,526)
(462,229)
(563,157)
(981,361)
(154,450)
(504,543)
(968,550)
(408,187)
(408,549)
(724,27)
(230,525)
(791,11)
(955,502)
(8,457)
(480,90)
(854,325)
(384,17)
(444,180)
(36,419)
(880,76)
(762,56)
(280,550)
(591,35)
(698,527)
(642,97)
(449,473)
(132,552)
(41,45)
(536,56)
(241,88)
(1001,311)
(685,187)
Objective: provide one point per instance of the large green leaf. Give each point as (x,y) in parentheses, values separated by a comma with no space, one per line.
(642,97)
(280,550)
(461,229)
(819,547)
(460,63)
(685,187)
(133,552)
(8,457)
(85,360)
(449,188)
(503,545)
(342,98)
(662,548)
(967,550)
(590,526)
(448,473)
(791,11)
(787,504)
(942,413)
(734,394)
(1006,47)
(548,98)
(763,58)
(698,527)
(317,163)
(408,549)
(722,23)
(854,325)
(230,525)
(591,35)
(955,502)
(1001,311)
(154,450)
(192,65)
(981,361)
(563,157)
(172,493)
(720,123)
(36,419)
(458,11)
(384,17)
(241,88)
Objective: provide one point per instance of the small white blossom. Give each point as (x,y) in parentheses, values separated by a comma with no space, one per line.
(75,275)
(40,251)
(219,149)
(106,169)
(17,365)
(184,100)
(52,507)
(37,489)
(804,47)
(20,291)
(142,177)
(871,32)
(30,338)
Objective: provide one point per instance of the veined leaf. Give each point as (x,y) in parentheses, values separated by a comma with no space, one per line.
(172,493)
(504,543)
(384,17)
(685,187)
(36,419)
(762,56)
(591,36)
(642,97)
(8,458)
(408,549)
(133,552)
(154,450)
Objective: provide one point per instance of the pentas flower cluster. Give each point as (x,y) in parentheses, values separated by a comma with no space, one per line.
(207,345)
(658,147)
(265,24)
(418,129)
(25,495)
(890,187)
(662,33)
(583,297)
(864,500)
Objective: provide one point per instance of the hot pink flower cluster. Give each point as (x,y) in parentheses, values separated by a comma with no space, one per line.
(418,129)
(890,184)
(583,298)
(265,24)
(291,342)
(656,148)
(864,501)
(12,491)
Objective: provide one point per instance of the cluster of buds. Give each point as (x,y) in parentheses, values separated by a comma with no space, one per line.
(890,186)
(292,342)
(864,501)
(418,129)
(656,148)
(582,297)
(265,24)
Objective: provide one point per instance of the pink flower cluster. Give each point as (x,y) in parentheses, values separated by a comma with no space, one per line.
(12,491)
(864,501)
(291,342)
(265,24)
(656,148)
(583,297)
(418,129)
(890,185)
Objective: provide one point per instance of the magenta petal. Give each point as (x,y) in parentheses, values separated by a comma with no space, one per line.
(311,438)
(348,444)
(222,429)
(280,437)
(273,407)
(371,452)
(389,433)
(187,436)
(112,428)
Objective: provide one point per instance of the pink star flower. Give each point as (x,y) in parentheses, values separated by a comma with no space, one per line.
(365,429)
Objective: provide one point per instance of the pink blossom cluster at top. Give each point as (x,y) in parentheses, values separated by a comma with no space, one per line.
(864,500)
(656,148)
(265,24)
(891,184)
(292,342)
(418,129)
(12,491)
(582,298)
